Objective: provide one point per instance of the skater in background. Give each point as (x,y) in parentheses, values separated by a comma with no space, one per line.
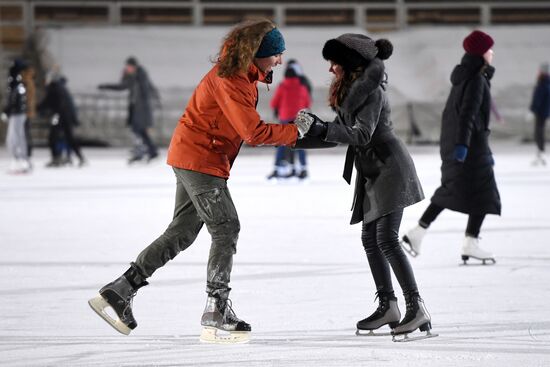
(15,114)
(540,106)
(142,94)
(219,117)
(59,105)
(467,178)
(386,180)
(30,88)
(290,97)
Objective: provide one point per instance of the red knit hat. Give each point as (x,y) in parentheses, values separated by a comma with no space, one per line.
(477,43)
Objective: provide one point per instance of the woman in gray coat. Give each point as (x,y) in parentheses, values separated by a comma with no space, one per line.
(386,180)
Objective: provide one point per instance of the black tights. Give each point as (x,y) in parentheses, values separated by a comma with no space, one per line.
(381,242)
(474,220)
(539,132)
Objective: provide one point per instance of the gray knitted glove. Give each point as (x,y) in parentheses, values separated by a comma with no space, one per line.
(303,122)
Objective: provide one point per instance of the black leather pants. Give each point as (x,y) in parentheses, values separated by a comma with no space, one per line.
(381,242)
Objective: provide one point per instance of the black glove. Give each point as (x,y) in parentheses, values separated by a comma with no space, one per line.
(318,127)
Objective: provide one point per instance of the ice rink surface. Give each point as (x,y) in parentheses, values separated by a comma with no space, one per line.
(300,275)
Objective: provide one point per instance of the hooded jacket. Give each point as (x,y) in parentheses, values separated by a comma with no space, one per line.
(468,187)
(386,178)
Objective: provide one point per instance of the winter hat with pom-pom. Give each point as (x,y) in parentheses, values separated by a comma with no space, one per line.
(477,43)
(352,50)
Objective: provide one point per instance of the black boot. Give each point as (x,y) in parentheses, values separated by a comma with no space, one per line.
(387,313)
(119,295)
(416,316)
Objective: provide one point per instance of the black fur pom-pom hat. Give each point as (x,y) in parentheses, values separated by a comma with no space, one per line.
(352,50)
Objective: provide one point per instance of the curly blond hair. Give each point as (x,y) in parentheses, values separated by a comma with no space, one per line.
(240,45)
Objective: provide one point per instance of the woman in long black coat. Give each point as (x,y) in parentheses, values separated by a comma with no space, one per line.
(467,178)
(540,106)
(386,180)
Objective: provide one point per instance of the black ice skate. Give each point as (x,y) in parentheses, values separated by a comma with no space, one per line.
(471,249)
(221,325)
(416,317)
(387,313)
(118,295)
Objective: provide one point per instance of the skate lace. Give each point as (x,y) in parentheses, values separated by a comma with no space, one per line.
(382,305)
(230,314)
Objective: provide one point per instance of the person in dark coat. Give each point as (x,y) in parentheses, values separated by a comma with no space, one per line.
(15,114)
(467,178)
(59,104)
(386,180)
(540,106)
(140,107)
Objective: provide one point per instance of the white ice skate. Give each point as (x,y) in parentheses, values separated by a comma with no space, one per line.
(471,249)
(540,160)
(412,240)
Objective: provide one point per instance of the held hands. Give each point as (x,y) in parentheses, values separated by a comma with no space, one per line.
(310,125)
(303,122)
(460,153)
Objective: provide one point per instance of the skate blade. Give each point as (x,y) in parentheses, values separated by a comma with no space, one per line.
(99,304)
(371,333)
(486,261)
(408,248)
(210,335)
(405,338)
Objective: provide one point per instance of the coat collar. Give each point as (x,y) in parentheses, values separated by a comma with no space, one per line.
(365,85)
(256,75)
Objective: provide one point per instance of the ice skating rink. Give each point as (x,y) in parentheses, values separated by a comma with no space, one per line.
(300,275)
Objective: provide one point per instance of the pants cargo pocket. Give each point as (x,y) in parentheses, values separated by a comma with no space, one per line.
(216,206)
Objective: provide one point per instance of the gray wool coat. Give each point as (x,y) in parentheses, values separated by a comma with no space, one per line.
(140,96)
(386,178)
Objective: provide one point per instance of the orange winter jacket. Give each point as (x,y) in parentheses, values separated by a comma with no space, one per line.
(220,115)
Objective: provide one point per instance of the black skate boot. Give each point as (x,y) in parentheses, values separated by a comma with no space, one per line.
(387,313)
(219,316)
(119,295)
(416,317)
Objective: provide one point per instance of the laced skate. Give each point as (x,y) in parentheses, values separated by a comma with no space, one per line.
(221,325)
(387,313)
(471,249)
(412,240)
(416,317)
(118,295)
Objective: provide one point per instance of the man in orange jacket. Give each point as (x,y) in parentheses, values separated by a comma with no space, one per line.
(220,116)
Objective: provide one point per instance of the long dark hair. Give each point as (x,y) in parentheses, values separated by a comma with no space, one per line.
(341,85)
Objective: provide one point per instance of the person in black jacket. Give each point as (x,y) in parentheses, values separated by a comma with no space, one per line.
(467,179)
(59,104)
(140,109)
(386,180)
(540,106)
(15,114)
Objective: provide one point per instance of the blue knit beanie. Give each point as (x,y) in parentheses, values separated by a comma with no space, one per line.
(272,44)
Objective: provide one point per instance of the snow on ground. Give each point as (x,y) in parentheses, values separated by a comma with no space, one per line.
(300,275)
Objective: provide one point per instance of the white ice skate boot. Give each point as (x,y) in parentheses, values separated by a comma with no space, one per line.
(540,160)
(221,325)
(416,317)
(471,248)
(387,313)
(412,240)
